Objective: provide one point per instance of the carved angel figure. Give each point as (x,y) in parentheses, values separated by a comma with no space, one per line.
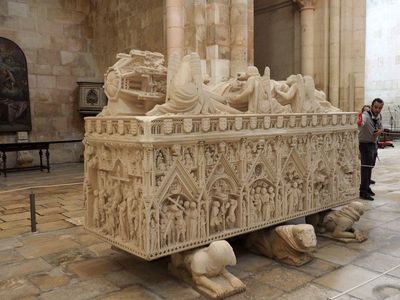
(291,93)
(300,92)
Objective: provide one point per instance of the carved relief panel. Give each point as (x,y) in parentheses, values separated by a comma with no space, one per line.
(157,192)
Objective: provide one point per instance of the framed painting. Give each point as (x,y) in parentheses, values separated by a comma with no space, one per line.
(15,114)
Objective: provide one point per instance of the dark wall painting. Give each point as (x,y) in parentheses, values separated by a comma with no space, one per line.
(15,112)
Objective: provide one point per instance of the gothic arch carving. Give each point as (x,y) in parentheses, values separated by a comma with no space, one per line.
(178,181)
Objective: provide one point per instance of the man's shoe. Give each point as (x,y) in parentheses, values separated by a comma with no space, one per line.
(371,192)
(366,197)
(372,181)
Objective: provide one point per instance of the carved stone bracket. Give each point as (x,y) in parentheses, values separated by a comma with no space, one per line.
(305,4)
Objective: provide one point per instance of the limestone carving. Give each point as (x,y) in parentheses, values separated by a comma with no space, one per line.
(290,244)
(300,93)
(338,224)
(177,188)
(138,81)
(205,269)
(135,83)
(161,184)
(256,94)
(186,94)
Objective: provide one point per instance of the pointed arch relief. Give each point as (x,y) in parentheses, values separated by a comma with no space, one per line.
(119,171)
(261,168)
(178,181)
(294,163)
(223,169)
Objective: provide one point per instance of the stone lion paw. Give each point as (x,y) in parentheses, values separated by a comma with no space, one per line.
(219,291)
(237,283)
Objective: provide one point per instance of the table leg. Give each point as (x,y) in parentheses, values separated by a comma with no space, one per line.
(48,160)
(41,159)
(4,157)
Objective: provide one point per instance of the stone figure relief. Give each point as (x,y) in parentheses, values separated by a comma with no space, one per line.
(135,83)
(261,201)
(338,224)
(205,269)
(186,94)
(180,220)
(321,184)
(301,94)
(293,188)
(291,92)
(290,244)
(139,80)
(115,198)
(91,158)
(219,186)
(157,185)
(255,94)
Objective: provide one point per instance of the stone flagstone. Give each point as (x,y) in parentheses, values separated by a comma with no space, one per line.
(17,288)
(283,278)
(80,291)
(380,263)
(26,267)
(44,246)
(337,254)
(47,275)
(132,292)
(93,267)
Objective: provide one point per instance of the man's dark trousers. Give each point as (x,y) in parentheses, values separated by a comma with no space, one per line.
(368,153)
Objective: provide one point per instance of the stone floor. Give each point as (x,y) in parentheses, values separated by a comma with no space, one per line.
(62,261)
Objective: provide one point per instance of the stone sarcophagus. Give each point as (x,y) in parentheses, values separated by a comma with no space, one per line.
(157,185)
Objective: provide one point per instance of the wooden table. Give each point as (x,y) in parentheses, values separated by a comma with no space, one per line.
(41,146)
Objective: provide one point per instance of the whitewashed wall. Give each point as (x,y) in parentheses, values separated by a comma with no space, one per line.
(382,67)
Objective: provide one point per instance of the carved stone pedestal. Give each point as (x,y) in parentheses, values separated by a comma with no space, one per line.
(289,244)
(338,224)
(204,269)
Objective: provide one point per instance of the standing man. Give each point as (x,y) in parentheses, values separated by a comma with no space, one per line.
(368,134)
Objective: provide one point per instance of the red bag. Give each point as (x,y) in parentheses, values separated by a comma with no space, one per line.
(359,119)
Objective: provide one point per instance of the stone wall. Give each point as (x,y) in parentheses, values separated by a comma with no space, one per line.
(382,70)
(221,31)
(120,26)
(275,37)
(56,39)
(352,54)
(338,45)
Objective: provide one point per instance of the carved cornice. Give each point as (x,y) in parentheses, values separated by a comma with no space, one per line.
(305,4)
(261,7)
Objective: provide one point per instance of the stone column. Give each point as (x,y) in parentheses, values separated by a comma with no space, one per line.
(175,28)
(307,8)
(250,31)
(334,51)
(218,39)
(239,36)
